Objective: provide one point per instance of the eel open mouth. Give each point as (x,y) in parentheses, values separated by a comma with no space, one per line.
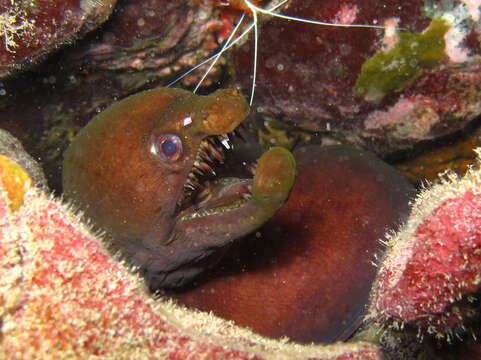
(205,191)
(213,210)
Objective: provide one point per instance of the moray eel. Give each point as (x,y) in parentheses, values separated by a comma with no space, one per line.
(136,170)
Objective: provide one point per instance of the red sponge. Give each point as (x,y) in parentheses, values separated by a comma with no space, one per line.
(432,270)
(62,296)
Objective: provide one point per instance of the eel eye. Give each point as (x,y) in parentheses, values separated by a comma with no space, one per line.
(168,147)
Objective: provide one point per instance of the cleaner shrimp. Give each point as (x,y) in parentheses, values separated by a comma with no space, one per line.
(252,9)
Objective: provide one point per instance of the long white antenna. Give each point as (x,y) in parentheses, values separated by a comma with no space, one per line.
(224,49)
(308,21)
(235,41)
(220,52)
(229,42)
(254,70)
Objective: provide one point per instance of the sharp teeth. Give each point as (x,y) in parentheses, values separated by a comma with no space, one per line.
(206,167)
(189,186)
(210,153)
(197,170)
(205,155)
(225,141)
(217,154)
(192,182)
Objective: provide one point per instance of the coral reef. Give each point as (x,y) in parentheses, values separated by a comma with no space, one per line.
(294,276)
(367,86)
(429,277)
(61,296)
(13,149)
(15,180)
(303,80)
(454,153)
(306,78)
(54,271)
(32,29)
(142,45)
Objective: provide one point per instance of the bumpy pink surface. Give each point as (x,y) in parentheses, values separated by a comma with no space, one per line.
(439,264)
(61,295)
(52,23)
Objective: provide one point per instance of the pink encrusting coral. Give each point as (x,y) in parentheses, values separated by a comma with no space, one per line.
(432,270)
(62,296)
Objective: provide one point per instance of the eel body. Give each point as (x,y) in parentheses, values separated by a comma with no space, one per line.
(307,273)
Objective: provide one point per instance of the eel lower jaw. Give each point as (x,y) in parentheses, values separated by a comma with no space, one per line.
(219,197)
(214,216)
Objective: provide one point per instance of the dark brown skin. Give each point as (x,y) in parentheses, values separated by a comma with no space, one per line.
(127,169)
(308,271)
(306,274)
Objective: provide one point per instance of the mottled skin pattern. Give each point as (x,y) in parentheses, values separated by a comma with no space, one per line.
(113,172)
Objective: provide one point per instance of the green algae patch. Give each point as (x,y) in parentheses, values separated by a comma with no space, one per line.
(392,71)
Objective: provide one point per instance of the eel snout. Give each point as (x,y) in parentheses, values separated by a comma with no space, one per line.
(143,170)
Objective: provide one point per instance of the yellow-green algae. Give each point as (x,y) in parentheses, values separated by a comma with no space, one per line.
(392,71)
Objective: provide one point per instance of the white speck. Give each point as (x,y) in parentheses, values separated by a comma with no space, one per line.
(3,92)
(187,121)
(280,67)
(153,150)
(328,126)
(225,142)
(141,22)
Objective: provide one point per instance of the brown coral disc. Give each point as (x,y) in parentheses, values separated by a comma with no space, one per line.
(307,273)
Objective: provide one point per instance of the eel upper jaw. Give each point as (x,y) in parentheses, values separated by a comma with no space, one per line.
(207,206)
(204,192)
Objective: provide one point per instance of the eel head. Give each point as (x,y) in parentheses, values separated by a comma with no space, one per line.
(139,170)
